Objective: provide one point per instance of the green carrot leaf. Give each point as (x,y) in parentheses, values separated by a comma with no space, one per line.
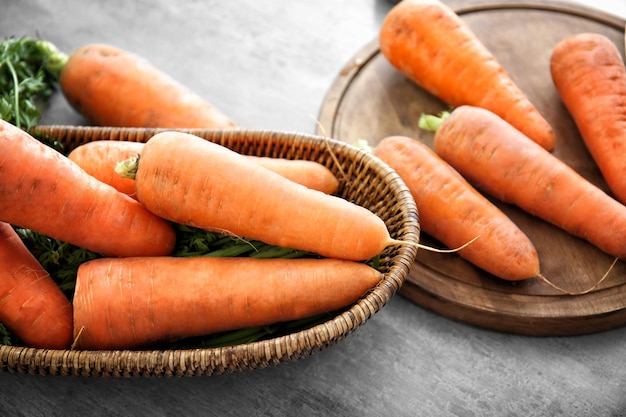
(29,74)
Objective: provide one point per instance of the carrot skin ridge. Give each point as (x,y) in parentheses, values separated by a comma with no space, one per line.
(502,161)
(99,159)
(31,304)
(229,193)
(589,74)
(44,191)
(454,212)
(133,302)
(429,43)
(113,87)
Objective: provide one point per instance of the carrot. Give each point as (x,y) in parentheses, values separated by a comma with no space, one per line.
(589,74)
(133,302)
(99,159)
(429,43)
(113,87)
(191,181)
(44,191)
(308,173)
(499,159)
(454,212)
(31,304)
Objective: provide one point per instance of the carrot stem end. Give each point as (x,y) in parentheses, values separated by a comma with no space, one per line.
(128,167)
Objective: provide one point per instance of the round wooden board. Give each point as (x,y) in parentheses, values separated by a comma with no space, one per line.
(370,100)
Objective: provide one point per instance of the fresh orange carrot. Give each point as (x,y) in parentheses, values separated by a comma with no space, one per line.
(44,191)
(454,212)
(133,302)
(311,174)
(113,87)
(99,159)
(430,44)
(191,181)
(31,304)
(499,159)
(589,74)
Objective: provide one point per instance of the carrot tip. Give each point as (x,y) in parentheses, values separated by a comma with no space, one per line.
(432,249)
(593,287)
(77,338)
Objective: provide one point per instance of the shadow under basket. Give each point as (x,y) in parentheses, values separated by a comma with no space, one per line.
(364,180)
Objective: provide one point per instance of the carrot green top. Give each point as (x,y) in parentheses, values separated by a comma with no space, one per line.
(29,73)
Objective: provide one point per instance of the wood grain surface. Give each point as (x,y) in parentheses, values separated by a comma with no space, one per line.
(371,100)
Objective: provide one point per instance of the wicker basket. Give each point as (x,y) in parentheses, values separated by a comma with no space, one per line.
(364,180)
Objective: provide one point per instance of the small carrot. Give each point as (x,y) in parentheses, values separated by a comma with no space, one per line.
(430,44)
(133,302)
(100,157)
(311,174)
(589,74)
(32,306)
(499,159)
(191,181)
(113,87)
(454,212)
(44,191)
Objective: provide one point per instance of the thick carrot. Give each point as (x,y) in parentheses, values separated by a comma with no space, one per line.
(44,191)
(113,87)
(99,159)
(499,159)
(430,44)
(133,302)
(31,304)
(589,74)
(191,181)
(454,212)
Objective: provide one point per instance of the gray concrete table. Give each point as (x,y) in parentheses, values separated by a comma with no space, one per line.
(268,65)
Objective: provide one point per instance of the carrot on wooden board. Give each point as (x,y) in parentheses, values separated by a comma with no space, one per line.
(191,181)
(100,157)
(113,87)
(589,74)
(42,190)
(132,302)
(32,306)
(454,212)
(499,159)
(430,44)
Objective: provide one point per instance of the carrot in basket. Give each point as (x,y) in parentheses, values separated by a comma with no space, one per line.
(42,190)
(496,157)
(308,173)
(31,304)
(589,74)
(113,87)
(133,302)
(430,44)
(191,181)
(99,159)
(454,212)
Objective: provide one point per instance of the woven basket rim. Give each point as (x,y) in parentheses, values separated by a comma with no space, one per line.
(257,354)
